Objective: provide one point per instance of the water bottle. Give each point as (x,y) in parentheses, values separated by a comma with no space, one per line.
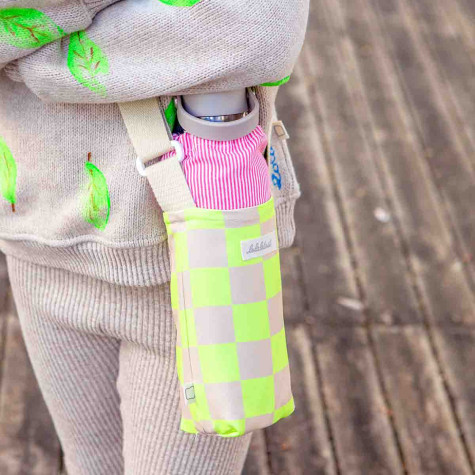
(219,116)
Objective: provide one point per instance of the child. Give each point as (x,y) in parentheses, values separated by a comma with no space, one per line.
(85,242)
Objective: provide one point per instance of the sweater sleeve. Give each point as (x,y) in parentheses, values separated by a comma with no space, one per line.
(27,25)
(144,48)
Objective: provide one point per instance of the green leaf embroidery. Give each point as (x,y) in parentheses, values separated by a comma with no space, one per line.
(180,3)
(170,114)
(27,28)
(277,83)
(86,62)
(96,200)
(8,173)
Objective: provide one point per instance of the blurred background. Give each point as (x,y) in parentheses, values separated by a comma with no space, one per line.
(380,283)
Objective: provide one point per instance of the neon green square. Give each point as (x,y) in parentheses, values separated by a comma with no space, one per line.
(258,396)
(230,428)
(200,218)
(210,287)
(181,251)
(266,210)
(174,290)
(219,363)
(284,411)
(272,276)
(280,358)
(234,236)
(187,425)
(251,321)
(187,328)
(199,409)
(179,363)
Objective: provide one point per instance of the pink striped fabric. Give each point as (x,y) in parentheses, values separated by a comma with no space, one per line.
(226,175)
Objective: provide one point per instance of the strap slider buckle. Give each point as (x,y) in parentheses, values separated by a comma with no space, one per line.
(179,152)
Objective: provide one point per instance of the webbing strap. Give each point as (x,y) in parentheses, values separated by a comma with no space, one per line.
(149,135)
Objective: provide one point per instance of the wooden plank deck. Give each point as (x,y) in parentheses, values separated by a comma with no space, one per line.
(380,284)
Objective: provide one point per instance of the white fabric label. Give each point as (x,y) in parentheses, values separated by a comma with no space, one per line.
(258,247)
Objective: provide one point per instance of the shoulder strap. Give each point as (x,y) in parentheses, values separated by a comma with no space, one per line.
(151,139)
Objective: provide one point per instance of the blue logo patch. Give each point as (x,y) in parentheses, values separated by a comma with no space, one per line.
(276,176)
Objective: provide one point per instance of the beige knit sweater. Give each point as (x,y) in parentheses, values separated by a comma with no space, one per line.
(70,196)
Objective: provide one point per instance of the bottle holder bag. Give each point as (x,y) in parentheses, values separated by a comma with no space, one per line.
(226,296)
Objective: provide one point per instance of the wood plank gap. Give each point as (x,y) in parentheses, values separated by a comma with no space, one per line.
(433,35)
(436,79)
(368,322)
(350,246)
(381,267)
(434,350)
(319,382)
(363,110)
(382,107)
(466,20)
(423,309)
(461,247)
(326,270)
(301,443)
(439,326)
(427,428)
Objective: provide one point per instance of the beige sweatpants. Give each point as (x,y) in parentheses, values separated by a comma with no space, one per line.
(104,356)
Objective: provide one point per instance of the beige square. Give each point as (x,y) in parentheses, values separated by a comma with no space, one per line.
(255,359)
(247,283)
(282,387)
(225,400)
(276,313)
(207,248)
(206,426)
(214,325)
(195,367)
(268,226)
(241,217)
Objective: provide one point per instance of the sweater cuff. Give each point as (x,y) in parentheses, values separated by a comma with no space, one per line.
(284,212)
(95,6)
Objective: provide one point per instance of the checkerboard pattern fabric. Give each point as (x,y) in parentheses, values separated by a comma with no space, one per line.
(231,349)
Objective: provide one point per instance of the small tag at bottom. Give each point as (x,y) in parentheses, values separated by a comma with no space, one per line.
(189,392)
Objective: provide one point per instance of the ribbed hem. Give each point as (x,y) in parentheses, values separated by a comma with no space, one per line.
(139,266)
(95,6)
(285,221)
(134,266)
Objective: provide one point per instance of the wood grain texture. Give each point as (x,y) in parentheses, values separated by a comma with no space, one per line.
(452,169)
(379,286)
(324,258)
(437,269)
(257,462)
(457,348)
(300,444)
(359,417)
(424,421)
(375,244)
